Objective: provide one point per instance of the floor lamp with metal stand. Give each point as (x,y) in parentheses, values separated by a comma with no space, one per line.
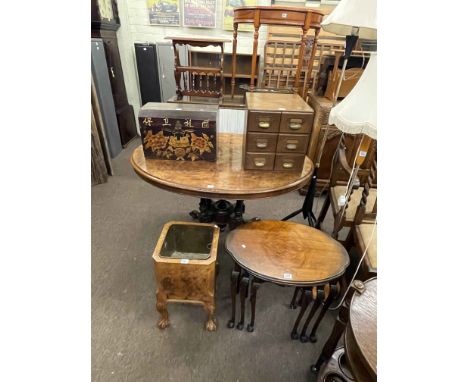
(353,19)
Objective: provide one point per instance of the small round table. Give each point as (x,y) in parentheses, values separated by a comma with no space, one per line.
(223,179)
(357,361)
(284,253)
(361,334)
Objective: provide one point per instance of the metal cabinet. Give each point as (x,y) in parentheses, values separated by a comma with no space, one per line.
(165,55)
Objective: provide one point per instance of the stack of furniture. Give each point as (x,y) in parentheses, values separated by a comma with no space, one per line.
(278,131)
(305,18)
(286,254)
(104,25)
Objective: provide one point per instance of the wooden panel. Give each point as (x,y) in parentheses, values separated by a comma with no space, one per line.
(259,161)
(98,165)
(298,123)
(263,121)
(292,143)
(261,142)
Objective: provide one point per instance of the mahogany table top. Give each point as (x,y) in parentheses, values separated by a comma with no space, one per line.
(224,178)
(287,253)
(361,334)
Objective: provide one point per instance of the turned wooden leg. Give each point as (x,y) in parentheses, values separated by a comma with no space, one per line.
(331,296)
(304,304)
(234,281)
(244,283)
(253,301)
(338,329)
(293,303)
(161,307)
(210,310)
(234,60)
(315,306)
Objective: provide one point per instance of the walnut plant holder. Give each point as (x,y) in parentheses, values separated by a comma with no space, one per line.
(185,266)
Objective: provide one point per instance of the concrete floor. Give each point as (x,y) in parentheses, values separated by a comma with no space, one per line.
(127,218)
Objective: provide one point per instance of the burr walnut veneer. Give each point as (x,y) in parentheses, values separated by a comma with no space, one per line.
(223,179)
(185,268)
(284,253)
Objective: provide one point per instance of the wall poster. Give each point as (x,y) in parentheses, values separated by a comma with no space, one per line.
(200,13)
(228,14)
(164,12)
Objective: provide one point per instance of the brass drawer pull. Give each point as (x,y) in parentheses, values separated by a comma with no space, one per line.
(291,145)
(295,124)
(261,144)
(259,162)
(288,164)
(264,125)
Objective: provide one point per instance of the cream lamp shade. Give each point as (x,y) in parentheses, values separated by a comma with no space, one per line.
(353,17)
(357,113)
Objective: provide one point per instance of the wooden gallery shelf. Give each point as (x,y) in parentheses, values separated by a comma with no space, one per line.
(211,58)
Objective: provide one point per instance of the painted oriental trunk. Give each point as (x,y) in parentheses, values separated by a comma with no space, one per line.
(175,131)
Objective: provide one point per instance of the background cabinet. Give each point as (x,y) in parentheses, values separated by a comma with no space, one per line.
(104,24)
(148,73)
(165,54)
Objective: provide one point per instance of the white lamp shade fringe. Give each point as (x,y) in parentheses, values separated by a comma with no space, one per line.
(357,113)
(351,14)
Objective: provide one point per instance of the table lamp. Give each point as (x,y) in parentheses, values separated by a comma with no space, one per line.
(353,19)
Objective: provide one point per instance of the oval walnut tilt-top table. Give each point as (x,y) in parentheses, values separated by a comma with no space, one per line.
(286,254)
(223,179)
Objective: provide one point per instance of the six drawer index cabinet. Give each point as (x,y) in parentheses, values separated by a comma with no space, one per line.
(278,131)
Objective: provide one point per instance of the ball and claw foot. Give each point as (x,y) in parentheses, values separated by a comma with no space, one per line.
(240,326)
(230,324)
(210,326)
(292,306)
(313,339)
(250,328)
(163,323)
(304,339)
(294,336)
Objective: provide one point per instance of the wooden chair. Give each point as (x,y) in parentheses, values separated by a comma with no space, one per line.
(361,205)
(364,234)
(365,237)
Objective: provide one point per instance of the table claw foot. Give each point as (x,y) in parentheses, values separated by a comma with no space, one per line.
(240,326)
(313,339)
(250,328)
(230,324)
(294,335)
(210,326)
(163,323)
